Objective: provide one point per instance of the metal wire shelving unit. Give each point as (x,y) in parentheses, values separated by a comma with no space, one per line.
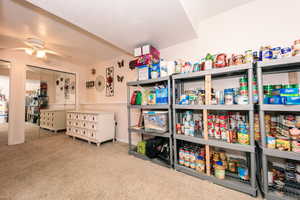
(284,65)
(142,132)
(178,82)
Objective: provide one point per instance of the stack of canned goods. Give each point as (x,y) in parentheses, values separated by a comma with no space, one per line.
(229,126)
(282,94)
(230,96)
(192,156)
(191,124)
(283,132)
(223,163)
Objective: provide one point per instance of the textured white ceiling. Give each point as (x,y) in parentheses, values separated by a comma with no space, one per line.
(19,20)
(91,31)
(127,23)
(199,10)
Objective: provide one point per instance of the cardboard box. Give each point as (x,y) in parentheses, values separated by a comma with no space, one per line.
(148,49)
(137,52)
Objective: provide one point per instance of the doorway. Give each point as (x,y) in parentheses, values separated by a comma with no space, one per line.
(4,101)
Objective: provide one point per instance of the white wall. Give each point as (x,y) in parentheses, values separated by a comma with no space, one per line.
(261,22)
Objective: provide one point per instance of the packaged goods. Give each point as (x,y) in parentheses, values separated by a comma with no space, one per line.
(192,156)
(229,96)
(219,170)
(141,147)
(156,121)
(143,72)
(248,56)
(221,60)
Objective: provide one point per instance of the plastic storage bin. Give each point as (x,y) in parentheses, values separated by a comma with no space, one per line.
(156,121)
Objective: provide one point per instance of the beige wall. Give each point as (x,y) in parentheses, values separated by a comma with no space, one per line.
(98,100)
(19,60)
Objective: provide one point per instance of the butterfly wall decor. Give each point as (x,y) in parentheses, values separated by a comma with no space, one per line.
(121,64)
(120,78)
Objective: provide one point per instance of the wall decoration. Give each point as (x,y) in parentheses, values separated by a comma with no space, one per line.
(89,84)
(132,64)
(120,78)
(121,63)
(100,83)
(67,88)
(93,71)
(109,81)
(73,87)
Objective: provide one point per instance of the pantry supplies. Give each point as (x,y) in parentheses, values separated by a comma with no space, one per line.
(229,96)
(192,156)
(228,126)
(221,60)
(156,121)
(219,170)
(282,94)
(296,48)
(191,124)
(141,147)
(243,170)
(282,131)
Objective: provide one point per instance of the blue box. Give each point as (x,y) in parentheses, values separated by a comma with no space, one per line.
(289,92)
(292,100)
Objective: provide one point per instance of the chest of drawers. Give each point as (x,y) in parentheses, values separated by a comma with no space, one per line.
(53,120)
(92,126)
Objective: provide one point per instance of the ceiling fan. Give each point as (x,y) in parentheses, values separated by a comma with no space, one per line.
(36,47)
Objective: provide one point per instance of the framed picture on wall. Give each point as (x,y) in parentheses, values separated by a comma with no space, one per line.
(109,83)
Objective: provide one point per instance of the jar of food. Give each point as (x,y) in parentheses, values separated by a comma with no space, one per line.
(219,170)
(229,96)
(200,164)
(232,166)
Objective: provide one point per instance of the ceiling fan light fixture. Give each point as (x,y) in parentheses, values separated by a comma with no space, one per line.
(40,54)
(29,51)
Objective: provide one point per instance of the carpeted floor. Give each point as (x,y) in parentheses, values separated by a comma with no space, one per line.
(57,167)
(32,132)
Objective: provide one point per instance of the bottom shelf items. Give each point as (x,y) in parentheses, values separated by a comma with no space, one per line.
(155,149)
(228,168)
(283,179)
(154,160)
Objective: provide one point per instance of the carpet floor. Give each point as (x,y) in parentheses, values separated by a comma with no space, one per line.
(57,167)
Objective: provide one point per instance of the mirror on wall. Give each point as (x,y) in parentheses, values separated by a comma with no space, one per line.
(4,99)
(46,90)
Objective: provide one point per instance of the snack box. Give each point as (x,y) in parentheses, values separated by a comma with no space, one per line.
(147,60)
(143,72)
(292,100)
(148,49)
(289,92)
(137,52)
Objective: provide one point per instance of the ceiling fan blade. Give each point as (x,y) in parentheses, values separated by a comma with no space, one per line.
(51,52)
(19,48)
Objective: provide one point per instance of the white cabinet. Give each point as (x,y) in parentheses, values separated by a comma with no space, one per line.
(53,120)
(93,126)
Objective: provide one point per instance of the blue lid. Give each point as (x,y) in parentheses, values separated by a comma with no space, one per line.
(219,163)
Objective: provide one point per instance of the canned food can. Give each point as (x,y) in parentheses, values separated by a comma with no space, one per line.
(181,162)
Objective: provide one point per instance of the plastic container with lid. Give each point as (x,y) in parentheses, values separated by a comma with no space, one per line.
(229,96)
(156,121)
